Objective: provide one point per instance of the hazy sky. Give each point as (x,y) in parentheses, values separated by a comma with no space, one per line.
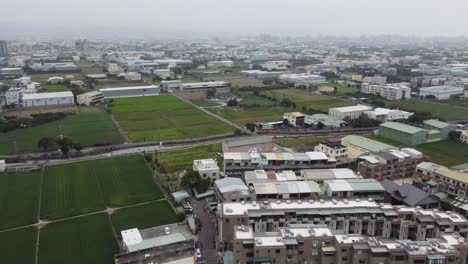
(349,17)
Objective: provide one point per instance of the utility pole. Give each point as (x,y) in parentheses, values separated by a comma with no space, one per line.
(60,128)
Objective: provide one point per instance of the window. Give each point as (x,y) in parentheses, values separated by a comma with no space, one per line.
(278,251)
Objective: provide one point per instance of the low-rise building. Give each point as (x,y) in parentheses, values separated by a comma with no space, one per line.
(359,145)
(308,243)
(326,120)
(409,195)
(276,65)
(232,190)
(235,163)
(55,80)
(376,79)
(203,85)
(436,178)
(441,92)
(14,96)
(437,125)
(319,176)
(259,144)
(259,74)
(392,164)
(223,63)
(464,137)
(48,99)
(385,114)
(347,216)
(162,244)
(295,119)
(351,112)
(4,72)
(354,188)
(207,168)
(399,91)
(303,77)
(273,190)
(90,98)
(2,166)
(433,131)
(333,148)
(163,73)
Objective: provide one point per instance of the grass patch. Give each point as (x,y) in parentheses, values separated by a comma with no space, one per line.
(19,195)
(157,118)
(83,187)
(81,240)
(144,216)
(55,88)
(447,153)
(87,128)
(19,246)
(242,116)
(204,103)
(441,110)
(182,159)
(251,99)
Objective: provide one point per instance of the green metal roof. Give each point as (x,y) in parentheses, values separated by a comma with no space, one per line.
(436,123)
(402,127)
(367,143)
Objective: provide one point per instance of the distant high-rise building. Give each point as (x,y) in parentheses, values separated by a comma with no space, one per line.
(81,45)
(3,49)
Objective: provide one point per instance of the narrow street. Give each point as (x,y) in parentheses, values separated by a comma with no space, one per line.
(207,234)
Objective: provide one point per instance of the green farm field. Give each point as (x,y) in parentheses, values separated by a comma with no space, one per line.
(446,111)
(242,116)
(84,187)
(18,246)
(86,239)
(19,196)
(155,118)
(182,159)
(87,128)
(307,99)
(144,216)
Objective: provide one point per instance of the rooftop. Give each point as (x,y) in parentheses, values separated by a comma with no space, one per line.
(402,127)
(436,123)
(366,143)
(354,185)
(129,88)
(47,95)
(353,108)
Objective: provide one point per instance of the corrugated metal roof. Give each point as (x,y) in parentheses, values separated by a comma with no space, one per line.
(402,127)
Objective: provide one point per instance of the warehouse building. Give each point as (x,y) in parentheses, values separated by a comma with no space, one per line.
(351,112)
(203,85)
(358,145)
(437,125)
(385,115)
(163,244)
(236,163)
(90,98)
(354,188)
(134,91)
(232,190)
(48,99)
(403,133)
(326,120)
(350,217)
(441,92)
(308,243)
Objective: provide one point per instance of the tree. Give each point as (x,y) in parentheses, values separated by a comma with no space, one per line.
(250,126)
(65,144)
(237,132)
(320,125)
(190,179)
(232,102)
(45,143)
(419,117)
(210,93)
(77,146)
(454,135)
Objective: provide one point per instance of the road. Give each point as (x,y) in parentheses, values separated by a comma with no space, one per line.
(207,234)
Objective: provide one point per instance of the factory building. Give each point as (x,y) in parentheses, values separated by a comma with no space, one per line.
(359,145)
(48,99)
(134,91)
(433,131)
(351,112)
(441,92)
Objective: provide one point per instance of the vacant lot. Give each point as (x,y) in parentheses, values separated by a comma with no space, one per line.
(447,153)
(242,116)
(83,187)
(82,240)
(19,195)
(307,99)
(442,110)
(182,159)
(144,216)
(157,118)
(87,128)
(18,246)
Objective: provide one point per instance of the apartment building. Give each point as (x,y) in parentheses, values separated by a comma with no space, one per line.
(357,217)
(319,244)
(207,168)
(392,164)
(90,98)
(436,178)
(376,79)
(464,137)
(236,163)
(295,119)
(390,92)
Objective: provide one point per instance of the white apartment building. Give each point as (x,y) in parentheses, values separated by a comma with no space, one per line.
(294,118)
(207,168)
(333,149)
(351,112)
(223,63)
(390,92)
(163,73)
(48,99)
(276,65)
(131,76)
(303,77)
(14,95)
(385,114)
(377,79)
